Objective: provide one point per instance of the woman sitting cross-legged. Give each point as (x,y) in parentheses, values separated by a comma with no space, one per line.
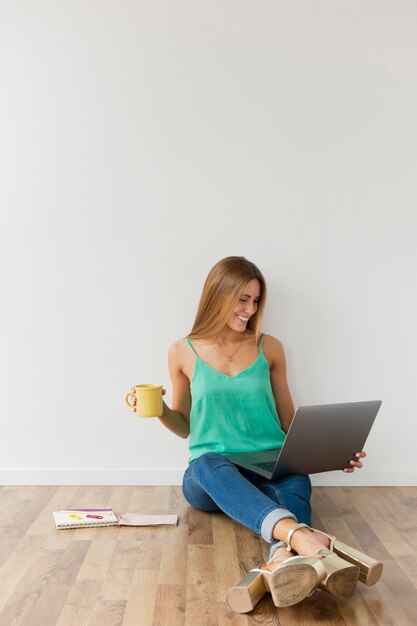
(230,394)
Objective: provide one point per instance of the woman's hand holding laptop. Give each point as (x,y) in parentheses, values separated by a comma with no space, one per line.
(355,463)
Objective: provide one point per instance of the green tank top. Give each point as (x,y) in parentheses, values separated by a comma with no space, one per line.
(233,413)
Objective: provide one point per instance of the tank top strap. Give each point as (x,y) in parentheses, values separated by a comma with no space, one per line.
(191,346)
(260,343)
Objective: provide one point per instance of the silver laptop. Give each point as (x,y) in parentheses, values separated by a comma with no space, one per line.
(321,438)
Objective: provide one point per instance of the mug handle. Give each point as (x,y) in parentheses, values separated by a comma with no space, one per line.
(128,395)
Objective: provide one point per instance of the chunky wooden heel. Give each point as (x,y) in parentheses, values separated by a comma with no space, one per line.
(340,577)
(370,569)
(244,596)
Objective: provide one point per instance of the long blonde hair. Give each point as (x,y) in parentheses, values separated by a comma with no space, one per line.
(223,287)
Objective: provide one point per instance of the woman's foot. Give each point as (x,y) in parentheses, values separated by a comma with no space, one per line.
(303,541)
(308,543)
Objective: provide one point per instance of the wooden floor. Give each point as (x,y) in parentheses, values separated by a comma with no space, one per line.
(180,576)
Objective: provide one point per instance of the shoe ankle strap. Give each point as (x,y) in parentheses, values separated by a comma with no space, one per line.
(291,532)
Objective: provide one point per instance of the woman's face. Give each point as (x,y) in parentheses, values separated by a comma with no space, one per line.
(246,307)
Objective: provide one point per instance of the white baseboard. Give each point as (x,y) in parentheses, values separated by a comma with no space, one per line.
(137,476)
(367,477)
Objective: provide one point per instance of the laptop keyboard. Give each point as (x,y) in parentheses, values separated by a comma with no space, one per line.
(266,465)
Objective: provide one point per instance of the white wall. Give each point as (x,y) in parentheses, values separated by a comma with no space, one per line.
(142,141)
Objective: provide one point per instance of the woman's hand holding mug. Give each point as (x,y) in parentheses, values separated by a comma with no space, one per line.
(146,400)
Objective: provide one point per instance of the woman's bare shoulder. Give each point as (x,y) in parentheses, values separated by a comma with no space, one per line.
(271,341)
(178,347)
(181,358)
(273,349)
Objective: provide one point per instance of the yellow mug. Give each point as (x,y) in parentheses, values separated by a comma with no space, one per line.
(147,400)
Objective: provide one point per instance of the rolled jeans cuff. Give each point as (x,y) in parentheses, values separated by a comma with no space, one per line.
(271,519)
(275,546)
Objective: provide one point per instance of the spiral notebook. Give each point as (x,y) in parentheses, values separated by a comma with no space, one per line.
(82,518)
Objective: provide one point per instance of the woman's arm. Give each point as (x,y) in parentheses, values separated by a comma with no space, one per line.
(177,419)
(274,353)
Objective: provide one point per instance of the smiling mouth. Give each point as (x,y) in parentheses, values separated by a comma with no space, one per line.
(242,319)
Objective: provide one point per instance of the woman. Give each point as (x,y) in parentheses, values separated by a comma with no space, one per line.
(230,394)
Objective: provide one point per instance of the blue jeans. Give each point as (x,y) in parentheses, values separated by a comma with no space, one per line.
(213,483)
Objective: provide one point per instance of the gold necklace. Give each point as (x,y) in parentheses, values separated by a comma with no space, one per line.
(229,357)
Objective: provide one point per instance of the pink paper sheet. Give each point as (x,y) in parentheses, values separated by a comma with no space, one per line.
(136,519)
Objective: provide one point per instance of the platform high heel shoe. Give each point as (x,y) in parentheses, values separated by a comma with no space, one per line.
(370,569)
(339,577)
(289,583)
